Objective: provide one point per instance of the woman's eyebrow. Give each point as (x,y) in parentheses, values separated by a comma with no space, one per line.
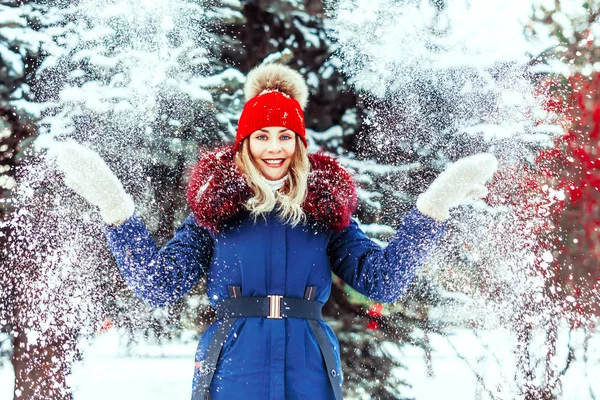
(281,131)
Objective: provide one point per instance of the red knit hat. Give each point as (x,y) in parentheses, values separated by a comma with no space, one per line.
(276,96)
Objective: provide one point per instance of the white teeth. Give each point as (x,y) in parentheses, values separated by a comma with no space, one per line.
(274,162)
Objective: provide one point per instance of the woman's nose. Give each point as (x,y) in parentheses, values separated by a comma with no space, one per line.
(274,146)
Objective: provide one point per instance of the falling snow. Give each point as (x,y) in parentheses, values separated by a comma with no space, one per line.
(144,84)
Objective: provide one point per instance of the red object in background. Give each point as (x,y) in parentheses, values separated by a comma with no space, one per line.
(573,167)
(375,310)
(105,325)
(557,200)
(372,325)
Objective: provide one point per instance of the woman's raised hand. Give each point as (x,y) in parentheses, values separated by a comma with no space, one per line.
(88,175)
(462,182)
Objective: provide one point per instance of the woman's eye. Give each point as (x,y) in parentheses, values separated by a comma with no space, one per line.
(261,137)
(285,137)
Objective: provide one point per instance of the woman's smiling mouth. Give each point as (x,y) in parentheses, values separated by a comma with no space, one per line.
(274,162)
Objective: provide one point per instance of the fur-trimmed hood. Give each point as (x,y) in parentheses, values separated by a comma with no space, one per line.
(217,191)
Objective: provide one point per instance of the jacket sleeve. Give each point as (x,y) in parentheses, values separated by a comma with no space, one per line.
(384,274)
(160,277)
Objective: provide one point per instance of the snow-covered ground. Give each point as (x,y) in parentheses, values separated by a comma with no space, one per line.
(165,372)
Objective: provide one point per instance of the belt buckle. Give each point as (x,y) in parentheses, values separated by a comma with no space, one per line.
(274,306)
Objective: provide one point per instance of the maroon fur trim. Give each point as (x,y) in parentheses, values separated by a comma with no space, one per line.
(217,191)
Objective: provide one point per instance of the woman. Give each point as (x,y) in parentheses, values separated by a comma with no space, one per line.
(269,224)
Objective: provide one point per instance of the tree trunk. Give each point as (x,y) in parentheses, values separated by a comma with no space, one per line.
(40,371)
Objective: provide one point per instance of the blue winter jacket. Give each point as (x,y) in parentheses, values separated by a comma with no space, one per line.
(270,358)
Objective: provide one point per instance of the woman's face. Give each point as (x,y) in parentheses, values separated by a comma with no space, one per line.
(272,149)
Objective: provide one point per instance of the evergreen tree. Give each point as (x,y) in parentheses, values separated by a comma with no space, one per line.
(40,366)
(97,87)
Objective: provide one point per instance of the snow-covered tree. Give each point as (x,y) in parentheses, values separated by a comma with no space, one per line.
(39,366)
(120,78)
(23,46)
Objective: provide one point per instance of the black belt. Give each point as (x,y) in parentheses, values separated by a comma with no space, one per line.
(272,307)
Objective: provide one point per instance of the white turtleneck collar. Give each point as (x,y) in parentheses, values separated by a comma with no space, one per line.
(276,185)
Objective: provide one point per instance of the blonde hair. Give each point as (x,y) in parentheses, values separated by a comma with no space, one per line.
(289,201)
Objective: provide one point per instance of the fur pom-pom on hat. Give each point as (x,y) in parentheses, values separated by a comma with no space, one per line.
(275,96)
(277,77)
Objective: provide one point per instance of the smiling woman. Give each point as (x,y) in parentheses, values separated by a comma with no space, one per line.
(268,277)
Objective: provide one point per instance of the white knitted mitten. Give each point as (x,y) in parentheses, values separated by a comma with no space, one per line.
(89,176)
(462,182)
